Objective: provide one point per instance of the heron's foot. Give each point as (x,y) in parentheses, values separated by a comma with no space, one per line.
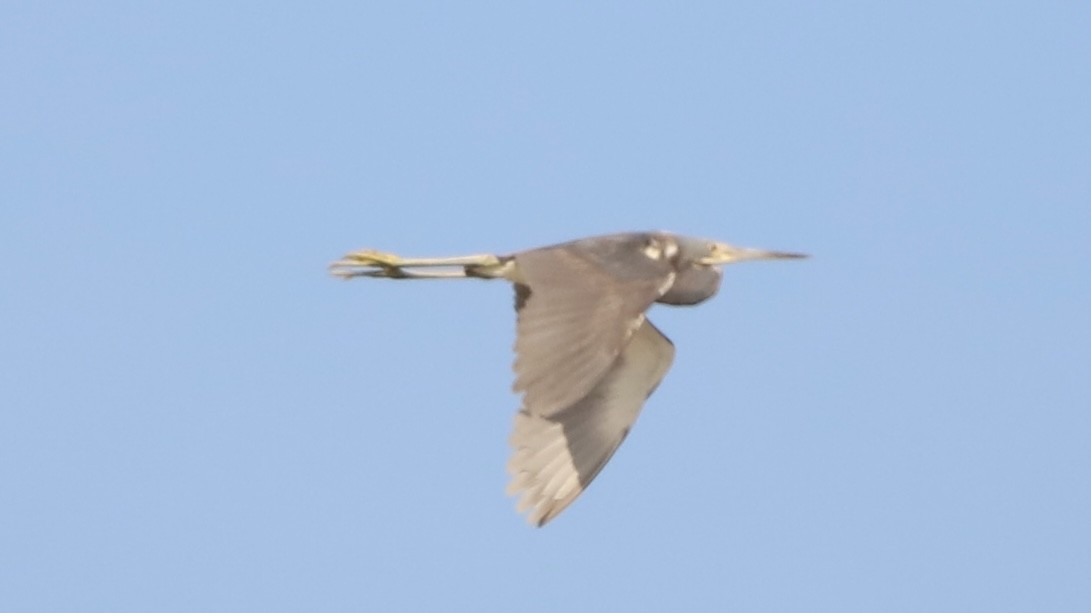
(371,263)
(368,263)
(370,257)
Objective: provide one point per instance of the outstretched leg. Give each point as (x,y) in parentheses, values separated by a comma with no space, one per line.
(371,263)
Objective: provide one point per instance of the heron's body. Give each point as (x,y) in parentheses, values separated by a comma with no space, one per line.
(586,356)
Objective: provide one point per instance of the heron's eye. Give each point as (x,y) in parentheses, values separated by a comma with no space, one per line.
(653,249)
(670,249)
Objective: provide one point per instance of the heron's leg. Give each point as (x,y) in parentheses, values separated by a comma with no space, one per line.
(370,263)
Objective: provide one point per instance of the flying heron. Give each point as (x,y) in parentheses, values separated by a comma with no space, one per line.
(586,356)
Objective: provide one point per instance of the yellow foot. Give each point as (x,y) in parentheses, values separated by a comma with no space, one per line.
(381,264)
(371,263)
(369,257)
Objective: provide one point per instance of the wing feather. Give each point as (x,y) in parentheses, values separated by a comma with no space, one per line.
(580,304)
(556,457)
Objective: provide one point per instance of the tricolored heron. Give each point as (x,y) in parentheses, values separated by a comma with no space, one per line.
(586,356)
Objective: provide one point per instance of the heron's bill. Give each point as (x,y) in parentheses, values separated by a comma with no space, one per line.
(722,253)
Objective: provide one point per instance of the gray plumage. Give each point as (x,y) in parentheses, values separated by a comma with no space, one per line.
(586,356)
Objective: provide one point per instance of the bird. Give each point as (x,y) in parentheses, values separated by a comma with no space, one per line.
(586,356)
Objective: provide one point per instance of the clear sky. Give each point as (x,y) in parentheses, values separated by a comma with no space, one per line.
(195,417)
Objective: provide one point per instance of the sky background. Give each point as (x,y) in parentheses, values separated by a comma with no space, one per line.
(195,417)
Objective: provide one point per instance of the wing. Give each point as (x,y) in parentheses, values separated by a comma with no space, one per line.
(585,300)
(556,457)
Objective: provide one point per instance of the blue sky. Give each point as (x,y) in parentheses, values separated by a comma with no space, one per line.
(195,417)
